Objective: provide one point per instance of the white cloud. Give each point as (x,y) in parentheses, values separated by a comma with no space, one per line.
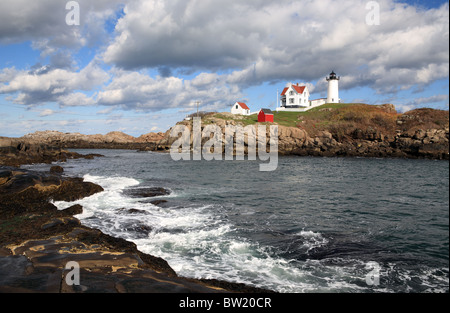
(428,100)
(46,20)
(53,85)
(46,112)
(76,99)
(208,34)
(133,90)
(228,44)
(435,101)
(43,23)
(285,40)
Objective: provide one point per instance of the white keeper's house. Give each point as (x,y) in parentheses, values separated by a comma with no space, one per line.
(295,96)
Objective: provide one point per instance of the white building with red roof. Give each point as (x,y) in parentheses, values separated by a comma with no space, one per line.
(295,97)
(240,108)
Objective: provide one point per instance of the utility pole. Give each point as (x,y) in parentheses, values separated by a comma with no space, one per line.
(277,98)
(198,103)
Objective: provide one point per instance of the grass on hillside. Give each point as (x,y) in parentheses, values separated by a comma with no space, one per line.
(339,119)
(245,120)
(348,121)
(344,119)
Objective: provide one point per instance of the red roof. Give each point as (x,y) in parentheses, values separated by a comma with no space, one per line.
(243,105)
(299,89)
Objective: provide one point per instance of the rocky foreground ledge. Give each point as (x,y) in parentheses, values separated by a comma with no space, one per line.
(37,242)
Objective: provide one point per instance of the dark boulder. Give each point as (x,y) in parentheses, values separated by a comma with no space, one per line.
(158,202)
(56,169)
(74,210)
(147,192)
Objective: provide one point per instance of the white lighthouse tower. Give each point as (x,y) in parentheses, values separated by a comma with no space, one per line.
(333,88)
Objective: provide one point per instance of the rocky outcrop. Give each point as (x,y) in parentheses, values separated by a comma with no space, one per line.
(358,132)
(430,144)
(38,242)
(15,152)
(112,140)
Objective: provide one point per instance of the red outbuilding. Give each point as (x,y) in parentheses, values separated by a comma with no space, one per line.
(265,116)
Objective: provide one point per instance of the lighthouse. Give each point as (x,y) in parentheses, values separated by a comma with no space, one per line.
(333,88)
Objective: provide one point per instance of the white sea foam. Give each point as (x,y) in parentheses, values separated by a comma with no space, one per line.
(194,240)
(111,198)
(312,240)
(198,241)
(112,183)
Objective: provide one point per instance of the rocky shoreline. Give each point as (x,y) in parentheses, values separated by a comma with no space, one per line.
(15,152)
(38,241)
(354,131)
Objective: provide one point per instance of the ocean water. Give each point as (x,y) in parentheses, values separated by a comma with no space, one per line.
(313,225)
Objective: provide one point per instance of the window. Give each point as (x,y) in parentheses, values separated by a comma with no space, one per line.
(237,107)
(291,101)
(291,93)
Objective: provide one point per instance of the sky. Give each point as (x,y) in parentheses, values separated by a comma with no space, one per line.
(140,66)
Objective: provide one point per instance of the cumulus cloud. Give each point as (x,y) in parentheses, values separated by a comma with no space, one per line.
(46,112)
(129,90)
(134,90)
(224,45)
(43,23)
(44,84)
(264,40)
(208,34)
(429,101)
(76,99)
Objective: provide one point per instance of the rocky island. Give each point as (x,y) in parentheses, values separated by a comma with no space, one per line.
(349,130)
